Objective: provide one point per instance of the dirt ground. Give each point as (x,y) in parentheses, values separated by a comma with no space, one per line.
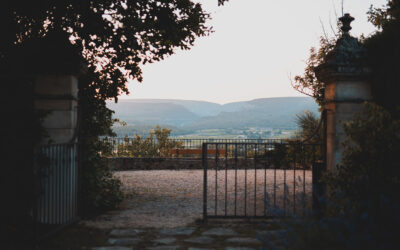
(170,198)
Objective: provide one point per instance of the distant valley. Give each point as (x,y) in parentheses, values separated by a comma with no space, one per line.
(265,117)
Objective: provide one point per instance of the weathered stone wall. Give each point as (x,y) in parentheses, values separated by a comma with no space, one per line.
(337,115)
(344,99)
(58,95)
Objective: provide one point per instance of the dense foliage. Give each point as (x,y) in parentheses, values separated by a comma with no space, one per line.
(369,168)
(363,204)
(17,168)
(112,39)
(383,53)
(370,172)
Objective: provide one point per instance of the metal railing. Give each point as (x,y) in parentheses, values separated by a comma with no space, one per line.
(258,179)
(172,147)
(57,204)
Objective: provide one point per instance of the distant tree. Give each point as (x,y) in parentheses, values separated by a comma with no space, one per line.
(308,83)
(310,128)
(157,144)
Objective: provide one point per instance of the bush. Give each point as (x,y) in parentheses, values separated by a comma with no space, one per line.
(370,169)
(100,190)
(363,205)
(156,144)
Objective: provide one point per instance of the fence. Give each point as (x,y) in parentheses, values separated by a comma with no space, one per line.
(57,204)
(258,179)
(172,147)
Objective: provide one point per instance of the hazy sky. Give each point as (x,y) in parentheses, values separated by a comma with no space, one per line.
(256,45)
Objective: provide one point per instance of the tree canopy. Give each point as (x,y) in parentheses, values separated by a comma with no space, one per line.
(383,53)
(114,37)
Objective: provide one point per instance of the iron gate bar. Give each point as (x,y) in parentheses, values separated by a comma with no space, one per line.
(50,188)
(216,178)
(255,179)
(62,189)
(265,180)
(226,178)
(236,159)
(59,177)
(303,163)
(205,163)
(53,188)
(313,168)
(284,190)
(274,186)
(56,205)
(55,184)
(58,188)
(65,181)
(294,181)
(300,156)
(245,179)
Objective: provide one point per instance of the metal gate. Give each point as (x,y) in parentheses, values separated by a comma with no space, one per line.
(253,180)
(57,203)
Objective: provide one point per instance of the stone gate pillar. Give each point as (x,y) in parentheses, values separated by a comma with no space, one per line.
(50,68)
(56,87)
(346,89)
(57,94)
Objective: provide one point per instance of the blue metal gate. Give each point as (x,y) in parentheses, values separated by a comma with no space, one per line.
(57,204)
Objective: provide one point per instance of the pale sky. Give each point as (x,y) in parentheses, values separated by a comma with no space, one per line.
(256,45)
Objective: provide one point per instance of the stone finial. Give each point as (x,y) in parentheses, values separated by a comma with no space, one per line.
(346,21)
(346,59)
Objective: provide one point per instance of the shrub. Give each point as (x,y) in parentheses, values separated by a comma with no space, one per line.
(363,205)
(157,144)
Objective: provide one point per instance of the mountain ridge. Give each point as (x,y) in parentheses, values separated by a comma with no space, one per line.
(276,112)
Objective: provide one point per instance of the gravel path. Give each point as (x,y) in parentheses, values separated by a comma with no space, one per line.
(168,198)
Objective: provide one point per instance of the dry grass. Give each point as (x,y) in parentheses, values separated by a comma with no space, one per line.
(168,198)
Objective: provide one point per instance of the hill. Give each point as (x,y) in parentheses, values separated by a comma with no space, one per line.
(187,115)
(266,112)
(200,108)
(164,113)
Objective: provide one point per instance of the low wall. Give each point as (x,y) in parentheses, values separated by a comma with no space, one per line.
(129,163)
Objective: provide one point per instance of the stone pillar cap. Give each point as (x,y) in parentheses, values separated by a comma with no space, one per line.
(346,60)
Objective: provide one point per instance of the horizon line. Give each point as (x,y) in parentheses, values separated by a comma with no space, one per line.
(196,100)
